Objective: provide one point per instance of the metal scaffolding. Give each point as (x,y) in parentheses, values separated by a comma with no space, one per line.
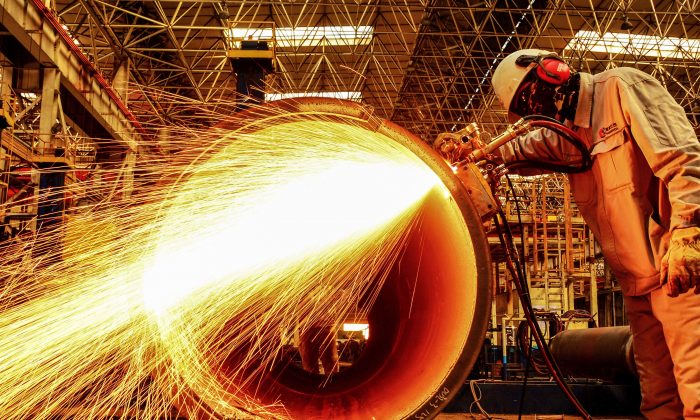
(427,65)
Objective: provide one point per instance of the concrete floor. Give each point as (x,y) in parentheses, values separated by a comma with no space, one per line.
(452,416)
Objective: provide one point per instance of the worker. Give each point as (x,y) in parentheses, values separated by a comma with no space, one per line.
(319,330)
(641,199)
(318,342)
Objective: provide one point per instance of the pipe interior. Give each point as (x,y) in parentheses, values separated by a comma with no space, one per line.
(418,330)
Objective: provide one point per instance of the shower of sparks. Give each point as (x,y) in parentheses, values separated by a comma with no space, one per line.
(189,285)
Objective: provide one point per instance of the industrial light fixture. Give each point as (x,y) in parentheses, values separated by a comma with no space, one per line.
(221,10)
(626,24)
(364,328)
(350,95)
(305,36)
(75,40)
(641,45)
(29,96)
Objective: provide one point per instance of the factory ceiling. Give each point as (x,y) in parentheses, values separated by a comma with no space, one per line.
(425,64)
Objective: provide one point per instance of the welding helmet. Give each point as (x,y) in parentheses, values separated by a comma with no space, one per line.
(527,72)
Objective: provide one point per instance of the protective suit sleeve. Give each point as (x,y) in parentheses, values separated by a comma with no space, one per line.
(664,135)
(542,145)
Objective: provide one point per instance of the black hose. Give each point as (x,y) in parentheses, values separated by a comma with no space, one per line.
(520,224)
(506,238)
(516,268)
(529,359)
(522,392)
(536,360)
(564,133)
(542,118)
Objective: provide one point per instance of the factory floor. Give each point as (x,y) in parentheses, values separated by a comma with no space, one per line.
(460,416)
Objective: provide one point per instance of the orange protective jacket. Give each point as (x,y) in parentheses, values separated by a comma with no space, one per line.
(645,179)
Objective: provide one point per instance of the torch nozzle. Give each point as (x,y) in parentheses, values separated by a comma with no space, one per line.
(512,132)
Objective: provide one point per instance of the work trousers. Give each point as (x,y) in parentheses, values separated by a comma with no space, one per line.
(666,336)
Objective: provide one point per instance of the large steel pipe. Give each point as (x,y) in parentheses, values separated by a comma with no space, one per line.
(596,353)
(428,324)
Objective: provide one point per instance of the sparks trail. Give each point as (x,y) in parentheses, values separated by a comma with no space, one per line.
(192,281)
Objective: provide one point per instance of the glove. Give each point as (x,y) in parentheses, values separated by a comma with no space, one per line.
(680,267)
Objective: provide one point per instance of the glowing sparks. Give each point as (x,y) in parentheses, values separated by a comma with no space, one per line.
(202,272)
(346,195)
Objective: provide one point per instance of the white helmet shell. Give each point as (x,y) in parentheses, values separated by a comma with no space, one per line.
(508,76)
